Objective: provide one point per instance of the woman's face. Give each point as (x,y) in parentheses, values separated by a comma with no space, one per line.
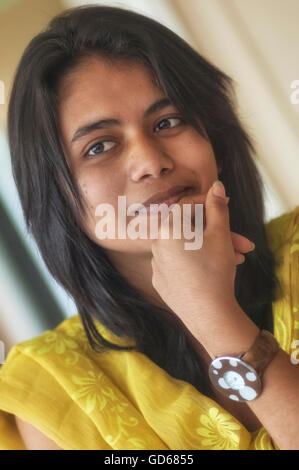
(138,155)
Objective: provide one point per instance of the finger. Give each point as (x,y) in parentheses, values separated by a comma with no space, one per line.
(242,243)
(191,201)
(184,212)
(239,258)
(217,212)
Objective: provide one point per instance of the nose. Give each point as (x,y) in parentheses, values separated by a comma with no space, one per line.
(148,159)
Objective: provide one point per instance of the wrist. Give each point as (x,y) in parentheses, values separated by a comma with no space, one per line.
(223,328)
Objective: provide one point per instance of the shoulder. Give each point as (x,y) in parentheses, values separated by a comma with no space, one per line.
(48,358)
(30,390)
(283,236)
(283,230)
(59,351)
(55,380)
(67,337)
(41,351)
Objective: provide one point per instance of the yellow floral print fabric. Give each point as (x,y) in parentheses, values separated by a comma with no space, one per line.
(122,400)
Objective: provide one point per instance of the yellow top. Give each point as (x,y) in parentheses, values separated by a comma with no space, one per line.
(122,400)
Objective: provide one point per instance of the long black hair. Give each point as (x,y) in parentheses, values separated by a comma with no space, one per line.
(53,205)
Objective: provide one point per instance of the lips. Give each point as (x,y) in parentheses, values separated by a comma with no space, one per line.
(163,196)
(171,196)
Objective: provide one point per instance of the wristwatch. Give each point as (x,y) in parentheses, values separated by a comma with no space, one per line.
(239,377)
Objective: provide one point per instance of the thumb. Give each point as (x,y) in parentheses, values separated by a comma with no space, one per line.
(217,213)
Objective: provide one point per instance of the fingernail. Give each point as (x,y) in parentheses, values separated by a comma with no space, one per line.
(252,246)
(218,189)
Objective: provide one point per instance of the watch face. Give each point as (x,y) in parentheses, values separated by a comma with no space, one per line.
(235,378)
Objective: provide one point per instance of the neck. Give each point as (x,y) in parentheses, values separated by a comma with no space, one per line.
(137,270)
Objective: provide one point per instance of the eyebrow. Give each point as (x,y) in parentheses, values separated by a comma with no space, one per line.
(106,122)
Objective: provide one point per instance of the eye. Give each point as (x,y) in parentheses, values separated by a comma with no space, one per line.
(97,147)
(168,120)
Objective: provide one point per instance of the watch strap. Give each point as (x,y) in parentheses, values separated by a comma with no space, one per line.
(262,351)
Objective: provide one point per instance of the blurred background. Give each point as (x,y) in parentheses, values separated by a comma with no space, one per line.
(256,42)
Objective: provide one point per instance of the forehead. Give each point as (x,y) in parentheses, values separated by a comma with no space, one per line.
(97,89)
(98,80)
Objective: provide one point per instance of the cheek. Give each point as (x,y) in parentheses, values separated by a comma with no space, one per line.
(84,188)
(95,191)
(197,148)
(202,158)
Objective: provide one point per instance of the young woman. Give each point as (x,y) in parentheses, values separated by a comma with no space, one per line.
(107,102)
